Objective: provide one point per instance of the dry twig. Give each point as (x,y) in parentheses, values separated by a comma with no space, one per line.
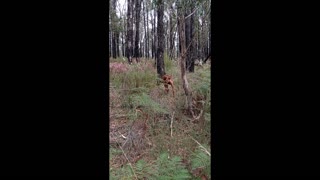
(128,161)
(171,123)
(205,150)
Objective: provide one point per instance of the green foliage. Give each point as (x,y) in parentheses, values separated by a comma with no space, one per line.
(201,160)
(145,100)
(113,152)
(144,170)
(201,85)
(163,168)
(138,77)
(171,168)
(124,173)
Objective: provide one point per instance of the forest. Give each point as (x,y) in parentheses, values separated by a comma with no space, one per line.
(160,89)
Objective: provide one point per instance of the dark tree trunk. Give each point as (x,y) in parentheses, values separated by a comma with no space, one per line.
(155,38)
(160,35)
(174,48)
(147,26)
(137,39)
(188,40)
(129,41)
(210,50)
(123,51)
(141,51)
(179,36)
(114,46)
(167,38)
(171,34)
(110,54)
(113,25)
(153,34)
(145,30)
(198,40)
(191,50)
(118,43)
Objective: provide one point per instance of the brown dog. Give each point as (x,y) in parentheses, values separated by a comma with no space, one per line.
(167,80)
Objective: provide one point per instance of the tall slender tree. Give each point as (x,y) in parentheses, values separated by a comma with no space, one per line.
(192,46)
(171,34)
(160,35)
(137,39)
(145,29)
(114,28)
(147,26)
(129,41)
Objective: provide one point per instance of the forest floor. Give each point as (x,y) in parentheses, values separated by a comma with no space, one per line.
(151,134)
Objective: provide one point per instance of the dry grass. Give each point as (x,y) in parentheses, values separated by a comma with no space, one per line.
(144,137)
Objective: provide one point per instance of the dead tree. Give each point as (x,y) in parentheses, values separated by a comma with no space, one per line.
(183,55)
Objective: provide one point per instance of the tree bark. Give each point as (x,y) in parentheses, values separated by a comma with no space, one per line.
(137,39)
(113,27)
(171,34)
(185,83)
(191,51)
(187,37)
(145,30)
(153,34)
(129,43)
(160,35)
(147,12)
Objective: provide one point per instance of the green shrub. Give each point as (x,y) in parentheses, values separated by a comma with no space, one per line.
(163,168)
(136,76)
(200,159)
(149,105)
(171,168)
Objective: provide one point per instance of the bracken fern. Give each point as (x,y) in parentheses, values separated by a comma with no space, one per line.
(201,160)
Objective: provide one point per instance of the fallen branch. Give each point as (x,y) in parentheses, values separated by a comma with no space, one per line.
(118,116)
(128,161)
(205,150)
(196,118)
(171,123)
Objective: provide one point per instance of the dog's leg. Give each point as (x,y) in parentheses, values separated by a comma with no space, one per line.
(172,88)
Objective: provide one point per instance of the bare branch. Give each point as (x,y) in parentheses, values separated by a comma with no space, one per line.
(205,150)
(171,123)
(128,161)
(191,13)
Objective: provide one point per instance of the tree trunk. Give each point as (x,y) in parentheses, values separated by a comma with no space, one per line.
(171,34)
(153,34)
(179,37)
(155,38)
(113,27)
(145,30)
(198,39)
(147,26)
(130,32)
(210,48)
(183,61)
(160,35)
(187,36)
(191,50)
(137,39)
(122,41)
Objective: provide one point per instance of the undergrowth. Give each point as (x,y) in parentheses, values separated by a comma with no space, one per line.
(164,168)
(173,153)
